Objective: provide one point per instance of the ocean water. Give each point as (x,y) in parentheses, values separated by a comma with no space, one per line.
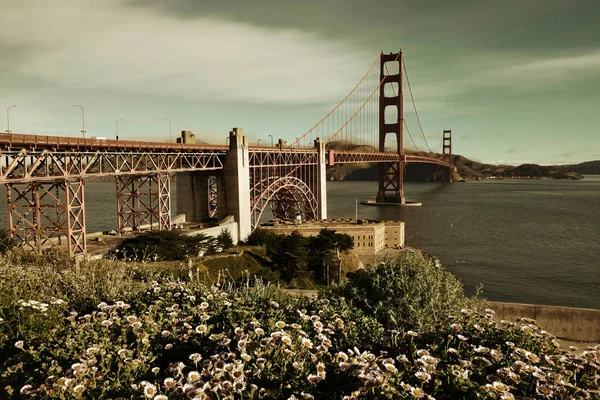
(527,241)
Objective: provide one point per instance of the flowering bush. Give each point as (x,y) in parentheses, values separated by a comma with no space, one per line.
(178,339)
(406,293)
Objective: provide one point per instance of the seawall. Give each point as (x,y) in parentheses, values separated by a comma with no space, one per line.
(579,324)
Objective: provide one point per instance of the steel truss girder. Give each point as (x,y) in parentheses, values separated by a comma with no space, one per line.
(343,157)
(287,196)
(46,165)
(287,181)
(143,200)
(283,158)
(42,214)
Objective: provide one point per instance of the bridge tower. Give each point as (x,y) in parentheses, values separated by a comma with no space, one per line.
(447,152)
(391,174)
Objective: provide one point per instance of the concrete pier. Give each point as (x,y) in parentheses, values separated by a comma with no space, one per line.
(236,176)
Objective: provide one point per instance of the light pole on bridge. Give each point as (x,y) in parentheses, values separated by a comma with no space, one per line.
(258,142)
(167,119)
(271,136)
(82,119)
(8,119)
(117,127)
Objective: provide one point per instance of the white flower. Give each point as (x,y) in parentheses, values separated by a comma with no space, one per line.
(424,376)
(169,383)
(161,397)
(25,389)
(201,329)
(280,324)
(79,389)
(19,344)
(195,357)
(106,322)
(193,376)
(150,390)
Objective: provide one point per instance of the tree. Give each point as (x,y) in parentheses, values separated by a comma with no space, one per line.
(290,255)
(163,246)
(329,245)
(225,240)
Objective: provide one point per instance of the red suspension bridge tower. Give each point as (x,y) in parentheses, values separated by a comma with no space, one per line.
(391,174)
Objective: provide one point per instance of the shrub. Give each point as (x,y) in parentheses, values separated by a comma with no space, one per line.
(225,240)
(6,243)
(162,246)
(406,293)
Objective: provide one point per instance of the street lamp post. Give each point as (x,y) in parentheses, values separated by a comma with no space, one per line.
(82,119)
(117,127)
(258,142)
(167,119)
(271,136)
(8,119)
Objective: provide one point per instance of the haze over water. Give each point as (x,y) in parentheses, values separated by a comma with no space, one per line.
(526,241)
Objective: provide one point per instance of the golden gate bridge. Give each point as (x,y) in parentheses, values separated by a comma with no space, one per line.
(45,176)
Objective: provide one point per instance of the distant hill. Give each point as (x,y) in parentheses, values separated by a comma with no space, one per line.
(465,169)
(584,168)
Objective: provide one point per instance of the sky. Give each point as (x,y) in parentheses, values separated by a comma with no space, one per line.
(516,80)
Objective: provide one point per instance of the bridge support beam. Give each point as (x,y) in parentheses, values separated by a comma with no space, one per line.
(43,214)
(199,195)
(391,174)
(236,176)
(143,200)
(321,184)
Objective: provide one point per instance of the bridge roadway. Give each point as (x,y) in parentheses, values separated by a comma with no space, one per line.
(26,158)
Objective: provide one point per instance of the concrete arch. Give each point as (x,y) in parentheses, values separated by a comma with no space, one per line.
(287,196)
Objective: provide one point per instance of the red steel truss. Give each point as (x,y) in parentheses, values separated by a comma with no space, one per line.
(286,180)
(143,200)
(42,214)
(47,165)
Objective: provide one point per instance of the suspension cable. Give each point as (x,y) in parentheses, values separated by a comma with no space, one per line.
(405,124)
(340,103)
(414,105)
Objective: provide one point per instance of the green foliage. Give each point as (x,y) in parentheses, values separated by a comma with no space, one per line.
(290,255)
(261,237)
(177,337)
(326,249)
(406,293)
(163,246)
(225,240)
(6,243)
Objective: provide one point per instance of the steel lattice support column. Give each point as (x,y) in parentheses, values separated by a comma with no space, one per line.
(143,200)
(41,214)
(213,196)
(163,182)
(391,174)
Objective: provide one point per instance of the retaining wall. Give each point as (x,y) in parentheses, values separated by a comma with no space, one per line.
(581,324)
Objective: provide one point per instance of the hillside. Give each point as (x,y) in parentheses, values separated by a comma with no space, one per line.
(584,168)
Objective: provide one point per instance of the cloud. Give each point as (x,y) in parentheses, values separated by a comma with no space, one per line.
(565,66)
(109,45)
(513,150)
